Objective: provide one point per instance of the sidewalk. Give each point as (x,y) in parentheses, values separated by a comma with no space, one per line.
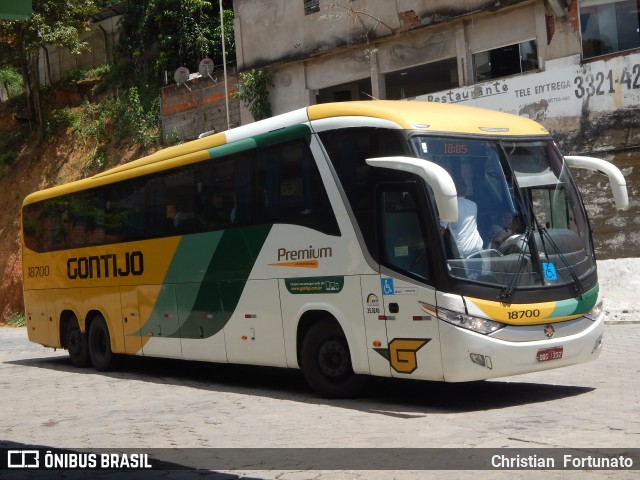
(620,285)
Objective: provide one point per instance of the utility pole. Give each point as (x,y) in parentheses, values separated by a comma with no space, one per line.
(224,65)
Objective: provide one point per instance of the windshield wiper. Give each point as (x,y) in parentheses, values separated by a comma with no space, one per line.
(542,231)
(508,290)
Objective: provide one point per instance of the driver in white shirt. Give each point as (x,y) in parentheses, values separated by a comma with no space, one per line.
(465,230)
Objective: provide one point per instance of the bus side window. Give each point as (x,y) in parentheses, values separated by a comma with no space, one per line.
(216,196)
(288,188)
(403,241)
(242,212)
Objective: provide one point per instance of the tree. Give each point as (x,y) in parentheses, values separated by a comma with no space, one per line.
(254,92)
(168,34)
(53,22)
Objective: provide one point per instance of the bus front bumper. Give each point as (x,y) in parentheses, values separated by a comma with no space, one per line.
(468,356)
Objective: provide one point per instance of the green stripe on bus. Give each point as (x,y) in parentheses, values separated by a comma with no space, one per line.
(283,135)
(263,140)
(205,281)
(576,306)
(231,148)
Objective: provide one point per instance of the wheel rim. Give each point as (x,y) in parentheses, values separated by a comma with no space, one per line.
(333,359)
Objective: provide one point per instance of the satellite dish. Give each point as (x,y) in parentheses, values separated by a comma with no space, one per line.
(181,75)
(206,67)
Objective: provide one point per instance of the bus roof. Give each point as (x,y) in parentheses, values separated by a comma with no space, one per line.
(433,117)
(409,115)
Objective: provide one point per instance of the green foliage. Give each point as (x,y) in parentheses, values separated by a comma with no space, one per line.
(53,22)
(162,35)
(113,117)
(77,75)
(140,120)
(10,141)
(11,80)
(174,137)
(16,319)
(254,92)
(6,160)
(116,118)
(58,121)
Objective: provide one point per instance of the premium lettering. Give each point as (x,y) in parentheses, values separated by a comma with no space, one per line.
(105,266)
(304,254)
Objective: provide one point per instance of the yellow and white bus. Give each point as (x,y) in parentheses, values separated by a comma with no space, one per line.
(328,239)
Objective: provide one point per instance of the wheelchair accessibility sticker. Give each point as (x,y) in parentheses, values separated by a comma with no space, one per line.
(549,270)
(387,286)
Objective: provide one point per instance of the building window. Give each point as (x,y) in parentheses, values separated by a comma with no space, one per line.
(358,90)
(609,26)
(421,80)
(311,6)
(505,61)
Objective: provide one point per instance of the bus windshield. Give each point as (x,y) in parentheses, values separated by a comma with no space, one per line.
(520,220)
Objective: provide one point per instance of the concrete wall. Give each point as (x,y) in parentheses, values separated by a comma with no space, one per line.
(185,113)
(102,39)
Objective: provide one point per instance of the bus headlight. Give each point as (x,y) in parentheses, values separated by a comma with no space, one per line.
(596,312)
(475,324)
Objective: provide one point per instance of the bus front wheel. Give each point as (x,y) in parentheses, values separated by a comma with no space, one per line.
(326,362)
(100,352)
(76,343)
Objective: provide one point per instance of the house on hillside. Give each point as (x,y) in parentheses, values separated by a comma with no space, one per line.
(556,61)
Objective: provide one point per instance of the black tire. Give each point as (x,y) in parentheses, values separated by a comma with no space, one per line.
(99,342)
(326,362)
(76,343)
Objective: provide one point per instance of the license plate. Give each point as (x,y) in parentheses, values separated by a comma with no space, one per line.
(547,354)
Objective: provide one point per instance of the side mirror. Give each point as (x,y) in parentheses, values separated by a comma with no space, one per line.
(444,190)
(616,179)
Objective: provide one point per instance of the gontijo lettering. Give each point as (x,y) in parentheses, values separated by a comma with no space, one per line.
(104,266)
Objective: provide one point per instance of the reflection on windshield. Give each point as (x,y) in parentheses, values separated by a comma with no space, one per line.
(520,219)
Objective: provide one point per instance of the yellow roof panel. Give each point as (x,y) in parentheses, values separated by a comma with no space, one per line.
(430,116)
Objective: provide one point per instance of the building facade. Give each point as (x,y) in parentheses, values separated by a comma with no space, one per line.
(573,65)
(546,59)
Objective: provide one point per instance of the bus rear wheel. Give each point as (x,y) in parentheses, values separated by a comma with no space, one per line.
(326,362)
(99,342)
(76,343)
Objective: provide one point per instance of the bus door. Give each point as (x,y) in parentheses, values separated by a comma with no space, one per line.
(413,347)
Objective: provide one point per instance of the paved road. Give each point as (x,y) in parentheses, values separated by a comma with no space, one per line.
(170,404)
